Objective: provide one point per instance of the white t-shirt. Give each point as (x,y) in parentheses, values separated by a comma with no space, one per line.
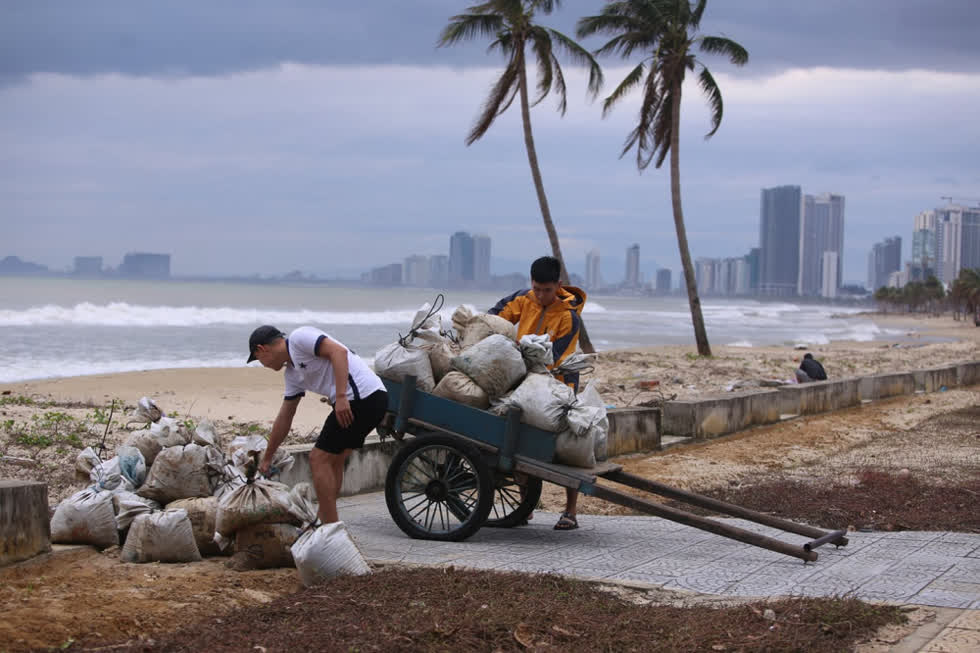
(310,372)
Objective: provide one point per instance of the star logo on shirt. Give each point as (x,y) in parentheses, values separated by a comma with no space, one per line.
(303,365)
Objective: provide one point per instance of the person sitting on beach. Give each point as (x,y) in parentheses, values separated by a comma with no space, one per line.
(316,362)
(810,369)
(548,307)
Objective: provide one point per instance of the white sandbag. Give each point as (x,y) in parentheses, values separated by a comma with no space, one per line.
(85,517)
(441,355)
(591,397)
(205,435)
(108,476)
(327,552)
(85,462)
(494,363)
(585,423)
(148,444)
(161,537)
(132,465)
(459,387)
(537,353)
(474,327)
(305,502)
(575,450)
(240,451)
(129,505)
(260,502)
(396,361)
(182,473)
(267,546)
(147,410)
(169,432)
(543,400)
(231,478)
(203,514)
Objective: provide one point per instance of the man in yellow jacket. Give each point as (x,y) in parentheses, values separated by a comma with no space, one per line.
(548,307)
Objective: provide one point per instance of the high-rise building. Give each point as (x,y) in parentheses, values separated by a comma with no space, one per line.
(460,258)
(924,243)
(663,281)
(145,266)
(633,266)
(416,271)
(741,276)
(592,279)
(821,230)
(779,240)
(957,241)
(481,259)
(752,261)
(706,275)
(883,259)
(439,271)
(829,280)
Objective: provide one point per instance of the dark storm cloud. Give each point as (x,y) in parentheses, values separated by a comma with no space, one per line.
(214,37)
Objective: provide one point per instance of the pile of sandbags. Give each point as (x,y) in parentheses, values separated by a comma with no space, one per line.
(424,352)
(155,496)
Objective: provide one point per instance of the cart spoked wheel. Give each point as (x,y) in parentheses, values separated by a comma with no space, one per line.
(439,488)
(513,503)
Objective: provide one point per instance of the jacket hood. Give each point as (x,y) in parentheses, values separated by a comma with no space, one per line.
(572,297)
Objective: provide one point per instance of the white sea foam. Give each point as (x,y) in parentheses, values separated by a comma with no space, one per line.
(742,343)
(121,314)
(59,367)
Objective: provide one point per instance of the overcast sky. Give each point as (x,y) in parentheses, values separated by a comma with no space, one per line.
(265,136)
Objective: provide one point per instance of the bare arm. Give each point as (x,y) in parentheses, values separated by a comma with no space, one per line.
(337,355)
(280,428)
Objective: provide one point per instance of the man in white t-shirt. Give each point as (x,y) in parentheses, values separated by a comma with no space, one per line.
(316,362)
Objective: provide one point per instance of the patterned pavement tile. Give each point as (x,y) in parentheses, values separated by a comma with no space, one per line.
(893,588)
(699,583)
(963,572)
(637,575)
(954,640)
(966,538)
(942,598)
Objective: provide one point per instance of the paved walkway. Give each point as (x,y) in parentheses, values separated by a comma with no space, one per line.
(936,569)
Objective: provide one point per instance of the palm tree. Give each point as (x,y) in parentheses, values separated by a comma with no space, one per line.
(510,23)
(665,32)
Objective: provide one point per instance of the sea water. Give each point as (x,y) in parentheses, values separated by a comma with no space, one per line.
(55,327)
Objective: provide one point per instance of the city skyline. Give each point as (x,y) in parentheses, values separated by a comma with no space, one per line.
(219,136)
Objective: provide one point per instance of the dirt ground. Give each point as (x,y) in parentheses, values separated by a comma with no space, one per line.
(899,435)
(79,594)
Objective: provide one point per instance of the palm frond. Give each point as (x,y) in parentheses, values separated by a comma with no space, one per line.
(579,55)
(501,91)
(634,77)
(560,87)
(504,43)
(544,6)
(467,26)
(698,13)
(713,93)
(541,45)
(721,45)
(663,124)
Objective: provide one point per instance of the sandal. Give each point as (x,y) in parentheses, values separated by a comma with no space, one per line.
(566,522)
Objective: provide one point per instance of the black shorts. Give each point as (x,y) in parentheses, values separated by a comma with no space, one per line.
(368,413)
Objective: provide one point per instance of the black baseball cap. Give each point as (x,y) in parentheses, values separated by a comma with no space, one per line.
(263,335)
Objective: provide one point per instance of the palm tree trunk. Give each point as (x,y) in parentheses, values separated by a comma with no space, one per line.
(532,157)
(700,334)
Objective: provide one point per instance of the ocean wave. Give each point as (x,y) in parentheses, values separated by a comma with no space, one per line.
(13,371)
(121,314)
(741,343)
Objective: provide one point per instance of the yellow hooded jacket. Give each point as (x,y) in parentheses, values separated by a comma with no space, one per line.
(561,320)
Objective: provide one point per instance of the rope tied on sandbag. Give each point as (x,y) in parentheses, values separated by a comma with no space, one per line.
(420,325)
